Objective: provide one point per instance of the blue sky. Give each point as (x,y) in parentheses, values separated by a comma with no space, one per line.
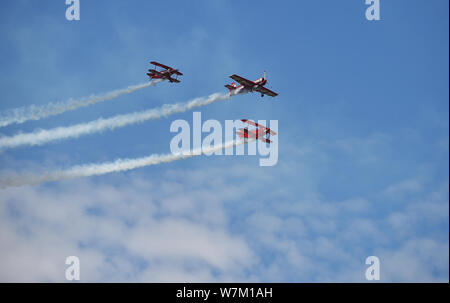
(363,142)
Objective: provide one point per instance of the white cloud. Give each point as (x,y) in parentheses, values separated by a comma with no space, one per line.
(186,226)
(117,232)
(415,261)
(402,188)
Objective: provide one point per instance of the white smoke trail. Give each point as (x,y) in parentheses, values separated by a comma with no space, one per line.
(34,112)
(40,137)
(109,167)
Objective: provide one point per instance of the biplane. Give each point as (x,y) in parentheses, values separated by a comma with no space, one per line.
(164,73)
(260,132)
(249,86)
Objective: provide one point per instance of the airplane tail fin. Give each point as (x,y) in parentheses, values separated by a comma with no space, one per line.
(265,75)
(230,88)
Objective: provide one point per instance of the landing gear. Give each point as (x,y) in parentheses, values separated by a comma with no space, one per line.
(262,95)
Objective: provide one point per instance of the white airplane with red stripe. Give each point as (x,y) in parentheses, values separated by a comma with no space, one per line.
(247,86)
(259,133)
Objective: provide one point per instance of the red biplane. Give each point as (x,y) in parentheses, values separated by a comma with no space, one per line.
(260,132)
(249,86)
(165,74)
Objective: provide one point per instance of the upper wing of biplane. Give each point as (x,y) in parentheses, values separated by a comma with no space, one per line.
(266,91)
(260,127)
(242,81)
(160,65)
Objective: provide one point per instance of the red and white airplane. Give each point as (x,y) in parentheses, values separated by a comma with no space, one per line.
(165,74)
(260,132)
(249,86)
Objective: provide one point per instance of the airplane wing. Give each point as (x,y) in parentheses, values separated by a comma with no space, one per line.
(168,68)
(160,65)
(153,71)
(252,137)
(261,127)
(242,81)
(266,91)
